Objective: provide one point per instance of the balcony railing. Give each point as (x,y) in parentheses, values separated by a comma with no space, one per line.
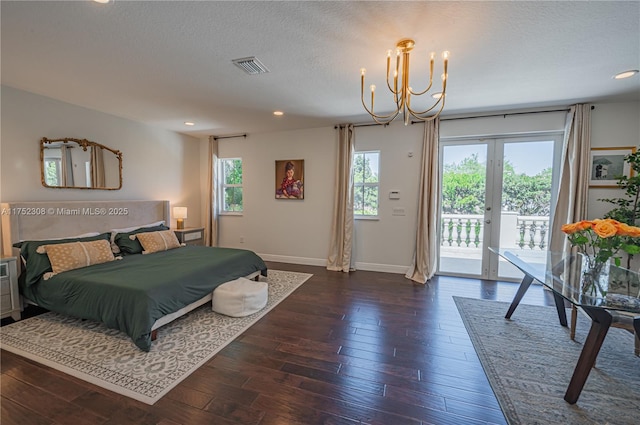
(466,230)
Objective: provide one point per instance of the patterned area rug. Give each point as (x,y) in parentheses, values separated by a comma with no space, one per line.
(529,361)
(109,359)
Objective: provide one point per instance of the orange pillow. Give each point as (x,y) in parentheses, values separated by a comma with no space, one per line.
(157,241)
(74,255)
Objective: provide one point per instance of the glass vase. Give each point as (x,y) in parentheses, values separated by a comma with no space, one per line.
(595,277)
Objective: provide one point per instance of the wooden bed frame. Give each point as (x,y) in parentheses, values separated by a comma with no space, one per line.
(58,219)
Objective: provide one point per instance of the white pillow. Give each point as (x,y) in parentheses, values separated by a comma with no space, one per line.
(114,232)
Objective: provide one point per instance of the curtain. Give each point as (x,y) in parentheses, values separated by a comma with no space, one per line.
(340,247)
(97,167)
(424,261)
(66,166)
(211,224)
(571,204)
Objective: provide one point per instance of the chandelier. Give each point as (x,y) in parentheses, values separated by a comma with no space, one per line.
(402,91)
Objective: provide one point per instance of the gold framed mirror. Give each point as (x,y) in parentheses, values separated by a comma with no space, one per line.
(79,164)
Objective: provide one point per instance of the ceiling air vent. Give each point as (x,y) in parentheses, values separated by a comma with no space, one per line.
(251,66)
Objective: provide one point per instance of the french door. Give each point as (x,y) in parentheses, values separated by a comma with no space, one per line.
(495,193)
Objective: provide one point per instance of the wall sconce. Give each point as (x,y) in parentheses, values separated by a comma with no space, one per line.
(180,213)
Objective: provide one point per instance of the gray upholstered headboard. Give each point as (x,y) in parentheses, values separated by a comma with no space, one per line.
(56,219)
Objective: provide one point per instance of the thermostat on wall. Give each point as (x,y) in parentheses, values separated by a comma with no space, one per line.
(394,194)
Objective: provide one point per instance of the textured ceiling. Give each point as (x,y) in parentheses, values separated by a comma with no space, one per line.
(166,62)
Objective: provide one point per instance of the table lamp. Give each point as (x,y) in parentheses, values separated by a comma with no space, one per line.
(180,213)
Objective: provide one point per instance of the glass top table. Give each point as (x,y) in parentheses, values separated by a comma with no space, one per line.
(616,300)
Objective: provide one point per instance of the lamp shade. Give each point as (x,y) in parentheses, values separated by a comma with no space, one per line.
(180,212)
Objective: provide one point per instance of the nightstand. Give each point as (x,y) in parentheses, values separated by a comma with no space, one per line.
(9,295)
(190,235)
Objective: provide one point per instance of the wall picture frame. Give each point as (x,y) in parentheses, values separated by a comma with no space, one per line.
(289,179)
(608,165)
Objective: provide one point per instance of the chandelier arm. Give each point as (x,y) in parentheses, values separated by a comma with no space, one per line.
(441,98)
(424,91)
(430,117)
(430,82)
(376,116)
(385,121)
(395,92)
(426,111)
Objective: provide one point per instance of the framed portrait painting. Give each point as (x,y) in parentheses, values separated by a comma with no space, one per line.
(290,179)
(608,165)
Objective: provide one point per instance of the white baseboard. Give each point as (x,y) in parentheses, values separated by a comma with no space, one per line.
(385,268)
(294,260)
(372,267)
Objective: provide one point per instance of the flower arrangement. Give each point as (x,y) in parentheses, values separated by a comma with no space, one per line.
(599,240)
(602,239)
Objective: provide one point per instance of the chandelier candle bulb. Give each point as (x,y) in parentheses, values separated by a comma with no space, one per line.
(431,62)
(373,93)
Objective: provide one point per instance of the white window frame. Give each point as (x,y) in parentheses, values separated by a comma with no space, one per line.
(223,186)
(367,184)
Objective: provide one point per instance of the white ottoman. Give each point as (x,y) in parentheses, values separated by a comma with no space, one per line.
(240,297)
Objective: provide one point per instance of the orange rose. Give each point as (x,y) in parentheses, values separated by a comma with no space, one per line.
(569,228)
(633,231)
(623,229)
(605,228)
(583,225)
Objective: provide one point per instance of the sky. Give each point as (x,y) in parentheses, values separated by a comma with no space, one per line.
(527,157)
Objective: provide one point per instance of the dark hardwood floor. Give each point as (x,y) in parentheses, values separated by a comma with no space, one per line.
(362,347)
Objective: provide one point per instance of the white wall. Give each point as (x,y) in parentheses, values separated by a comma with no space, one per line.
(298,231)
(387,244)
(612,125)
(281,229)
(157,164)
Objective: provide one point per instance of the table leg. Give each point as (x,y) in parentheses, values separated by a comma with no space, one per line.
(601,321)
(574,321)
(562,313)
(636,326)
(524,285)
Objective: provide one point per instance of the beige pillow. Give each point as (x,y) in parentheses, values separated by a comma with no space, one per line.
(157,241)
(74,255)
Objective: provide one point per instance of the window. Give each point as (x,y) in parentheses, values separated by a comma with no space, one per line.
(52,174)
(366,183)
(231,187)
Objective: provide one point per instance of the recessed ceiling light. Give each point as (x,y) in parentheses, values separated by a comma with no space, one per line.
(626,74)
(189,123)
(102,1)
(278,113)
(437,95)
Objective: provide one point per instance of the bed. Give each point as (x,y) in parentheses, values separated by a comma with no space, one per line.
(136,294)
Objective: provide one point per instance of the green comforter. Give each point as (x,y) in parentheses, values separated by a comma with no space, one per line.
(132,293)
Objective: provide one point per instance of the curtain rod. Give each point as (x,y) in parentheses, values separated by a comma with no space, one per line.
(501,115)
(361,125)
(467,118)
(504,115)
(230,137)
